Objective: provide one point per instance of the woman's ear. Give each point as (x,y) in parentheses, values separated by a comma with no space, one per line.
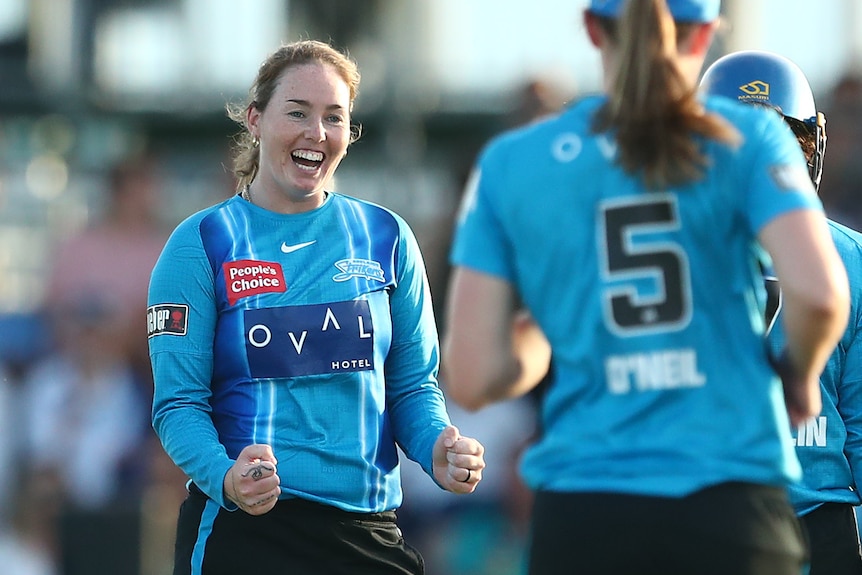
(252,117)
(701,38)
(594,31)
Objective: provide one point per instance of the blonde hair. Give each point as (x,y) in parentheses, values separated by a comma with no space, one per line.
(652,108)
(246,153)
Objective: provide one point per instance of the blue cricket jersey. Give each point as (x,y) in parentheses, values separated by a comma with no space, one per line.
(652,301)
(310,332)
(829,446)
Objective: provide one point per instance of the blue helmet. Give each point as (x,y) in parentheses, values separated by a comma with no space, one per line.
(764,78)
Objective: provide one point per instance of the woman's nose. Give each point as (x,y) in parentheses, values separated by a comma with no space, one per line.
(315,130)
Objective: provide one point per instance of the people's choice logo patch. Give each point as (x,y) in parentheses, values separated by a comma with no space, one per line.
(245,278)
(167,319)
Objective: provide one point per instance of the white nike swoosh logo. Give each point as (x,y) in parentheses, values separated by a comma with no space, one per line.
(288,249)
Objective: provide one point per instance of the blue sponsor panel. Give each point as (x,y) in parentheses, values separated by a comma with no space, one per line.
(310,339)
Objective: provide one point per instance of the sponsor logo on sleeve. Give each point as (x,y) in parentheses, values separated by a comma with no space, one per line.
(167,319)
(252,277)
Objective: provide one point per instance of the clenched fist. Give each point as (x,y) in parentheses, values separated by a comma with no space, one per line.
(253,483)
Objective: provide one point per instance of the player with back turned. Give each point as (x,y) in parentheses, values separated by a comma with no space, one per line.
(829,446)
(628,228)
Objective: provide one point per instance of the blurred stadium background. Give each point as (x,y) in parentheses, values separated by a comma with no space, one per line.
(85,84)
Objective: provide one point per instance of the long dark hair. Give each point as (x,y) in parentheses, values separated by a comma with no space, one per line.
(652,109)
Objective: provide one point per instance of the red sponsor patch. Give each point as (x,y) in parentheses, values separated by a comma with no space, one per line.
(252,277)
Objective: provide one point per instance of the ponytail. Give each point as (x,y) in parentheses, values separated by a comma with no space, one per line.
(652,109)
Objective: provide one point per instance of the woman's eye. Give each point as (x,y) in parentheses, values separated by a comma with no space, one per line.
(296,114)
(336,119)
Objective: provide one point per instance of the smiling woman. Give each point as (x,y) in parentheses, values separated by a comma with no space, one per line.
(297,126)
(293,346)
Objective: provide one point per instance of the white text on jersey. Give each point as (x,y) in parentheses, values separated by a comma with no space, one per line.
(665,369)
(811,433)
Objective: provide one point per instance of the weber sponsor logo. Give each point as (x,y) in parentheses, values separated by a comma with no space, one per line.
(167,319)
(245,278)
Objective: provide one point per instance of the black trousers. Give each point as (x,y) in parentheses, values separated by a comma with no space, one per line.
(834,539)
(728,529)
(296,537)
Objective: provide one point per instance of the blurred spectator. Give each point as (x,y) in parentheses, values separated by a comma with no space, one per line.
(536,99)
(85,410)
(164,493)
(85,427)
(85,406)
(7,443)
(22,553)
(108,264)
(841,188)
(23,548)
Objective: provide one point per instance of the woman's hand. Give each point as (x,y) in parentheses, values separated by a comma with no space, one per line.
(458,461)
(253,483)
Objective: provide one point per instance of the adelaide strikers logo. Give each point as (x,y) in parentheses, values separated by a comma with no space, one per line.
(359,268)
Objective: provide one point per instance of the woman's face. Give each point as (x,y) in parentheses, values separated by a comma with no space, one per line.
(304,133)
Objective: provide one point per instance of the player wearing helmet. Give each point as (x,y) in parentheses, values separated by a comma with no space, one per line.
(829,446)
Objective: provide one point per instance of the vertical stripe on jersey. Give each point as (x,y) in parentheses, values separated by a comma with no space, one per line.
(208,518)
(263,428)
(356,224)
(236,223)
